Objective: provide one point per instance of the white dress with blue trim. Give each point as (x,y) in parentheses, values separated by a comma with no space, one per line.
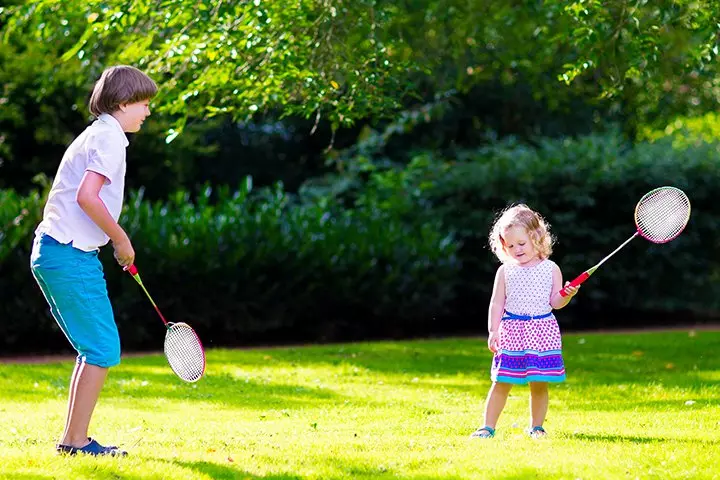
(530,346)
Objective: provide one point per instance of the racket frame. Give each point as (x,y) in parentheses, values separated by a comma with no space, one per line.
(133,271)
(202,350)
(637,208)
(577,281)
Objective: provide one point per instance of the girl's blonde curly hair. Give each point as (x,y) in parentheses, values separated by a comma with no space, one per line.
(534,224)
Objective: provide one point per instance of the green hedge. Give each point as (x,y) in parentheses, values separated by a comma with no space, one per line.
(392,251)
(587,188)
(246,267)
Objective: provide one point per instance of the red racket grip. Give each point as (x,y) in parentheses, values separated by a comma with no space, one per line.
(131,269)
(580,279)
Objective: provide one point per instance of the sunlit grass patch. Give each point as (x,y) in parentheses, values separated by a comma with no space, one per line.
(634,406)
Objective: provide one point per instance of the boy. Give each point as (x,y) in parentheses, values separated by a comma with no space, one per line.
(81,216)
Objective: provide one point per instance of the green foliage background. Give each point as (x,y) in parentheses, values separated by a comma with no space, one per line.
(404,255)
(381,138)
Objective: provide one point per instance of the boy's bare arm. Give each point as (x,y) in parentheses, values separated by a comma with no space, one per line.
(88,197)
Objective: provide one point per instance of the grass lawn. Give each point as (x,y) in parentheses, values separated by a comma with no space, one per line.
(640,405)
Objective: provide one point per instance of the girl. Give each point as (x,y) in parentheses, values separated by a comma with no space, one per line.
(81,216)
(523,333)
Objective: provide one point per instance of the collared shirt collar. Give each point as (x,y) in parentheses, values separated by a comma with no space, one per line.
(109,119)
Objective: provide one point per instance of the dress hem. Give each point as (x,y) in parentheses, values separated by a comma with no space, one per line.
(528,379)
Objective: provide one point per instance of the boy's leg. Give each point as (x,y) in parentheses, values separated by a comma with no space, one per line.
(74,285)
(71,398)
(85,387)
(539,399)
(496,402)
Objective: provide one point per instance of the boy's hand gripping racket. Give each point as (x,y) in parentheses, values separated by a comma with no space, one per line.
(660,216)
(183,349)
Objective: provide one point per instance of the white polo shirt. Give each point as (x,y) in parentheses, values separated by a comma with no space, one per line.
(100,148)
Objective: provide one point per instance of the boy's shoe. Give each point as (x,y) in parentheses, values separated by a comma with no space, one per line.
(93,448)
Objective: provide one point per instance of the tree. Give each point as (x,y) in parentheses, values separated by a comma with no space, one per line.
(345,61)
(659,57)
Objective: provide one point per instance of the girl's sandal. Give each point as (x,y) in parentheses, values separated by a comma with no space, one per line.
(483,432)
(537,432)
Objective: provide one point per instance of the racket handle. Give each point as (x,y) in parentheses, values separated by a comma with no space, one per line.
(131,269)
(578,280)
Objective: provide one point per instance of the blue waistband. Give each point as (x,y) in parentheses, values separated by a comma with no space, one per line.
(513,316)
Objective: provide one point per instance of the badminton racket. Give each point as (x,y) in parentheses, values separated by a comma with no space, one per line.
(183,349)
(660,216)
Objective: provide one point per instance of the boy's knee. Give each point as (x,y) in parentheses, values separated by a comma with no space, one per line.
(106,361)
(106,357)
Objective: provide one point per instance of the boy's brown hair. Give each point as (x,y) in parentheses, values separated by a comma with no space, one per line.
(119,85)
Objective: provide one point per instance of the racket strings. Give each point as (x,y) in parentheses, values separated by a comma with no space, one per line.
(662,214)
(184,352)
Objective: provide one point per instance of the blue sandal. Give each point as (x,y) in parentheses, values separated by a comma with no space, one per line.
(483,432)
(93,448)
(537,432)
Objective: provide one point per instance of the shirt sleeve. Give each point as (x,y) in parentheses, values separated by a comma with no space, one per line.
(105,156)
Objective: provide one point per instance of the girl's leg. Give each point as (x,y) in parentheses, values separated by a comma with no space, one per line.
(538,403)
(85,388)
(496,402)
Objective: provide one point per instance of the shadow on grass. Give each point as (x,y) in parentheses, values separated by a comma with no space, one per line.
(245,377)
(360,470)
(224,388)
(667,358)
(637,439)
(216,471)
(229,472)
(88,472)
(417,357)
(670,358)
(347,470)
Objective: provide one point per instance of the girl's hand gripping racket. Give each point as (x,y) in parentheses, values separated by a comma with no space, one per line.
(660,216)
(183,349)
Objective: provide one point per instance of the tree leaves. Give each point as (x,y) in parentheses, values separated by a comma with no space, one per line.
(344,61)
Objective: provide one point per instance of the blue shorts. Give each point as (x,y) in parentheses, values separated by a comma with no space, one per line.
(74,285)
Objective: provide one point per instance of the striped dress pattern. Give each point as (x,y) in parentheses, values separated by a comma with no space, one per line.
(530,346)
